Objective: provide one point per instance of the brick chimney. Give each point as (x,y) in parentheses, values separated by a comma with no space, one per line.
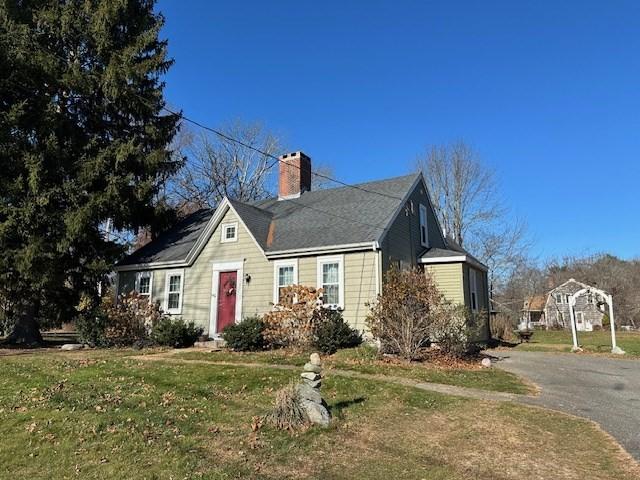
(295,175)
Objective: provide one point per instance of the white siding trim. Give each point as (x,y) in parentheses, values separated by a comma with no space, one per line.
(473,289)
(328,249)
(339,259)
(217,267)
(276,266)
(139,275)
(168,275)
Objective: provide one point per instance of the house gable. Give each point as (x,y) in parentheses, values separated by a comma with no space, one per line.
(401,241)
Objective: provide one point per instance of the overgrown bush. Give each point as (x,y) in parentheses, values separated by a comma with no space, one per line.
(455,330)
(403,316)
(175,333)
(332,332)
(246,335)
(292,323)
(411,313)
(130,319)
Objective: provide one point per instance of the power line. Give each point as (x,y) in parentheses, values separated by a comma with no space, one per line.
(267,154)
(237,141)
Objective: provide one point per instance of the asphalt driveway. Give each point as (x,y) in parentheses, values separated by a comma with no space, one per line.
(602,389)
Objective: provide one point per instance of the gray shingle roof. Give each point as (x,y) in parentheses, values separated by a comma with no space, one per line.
(174,244)
(453,250)
(322,218)
(336,216)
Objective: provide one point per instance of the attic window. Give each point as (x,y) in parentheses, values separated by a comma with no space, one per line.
(424,233)
(229,232)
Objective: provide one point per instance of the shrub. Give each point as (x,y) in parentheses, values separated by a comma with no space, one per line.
(333,333)
(292,322)
(246,335)
(175,333)
(455,329)
(91,326)
(130,320)
(403,315)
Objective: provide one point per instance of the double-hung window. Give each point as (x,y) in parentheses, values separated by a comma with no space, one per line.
(174,288)
(473,287)
(558,298)
(144,284)
(229,232)
(331,280)
(424,232)
(285,274)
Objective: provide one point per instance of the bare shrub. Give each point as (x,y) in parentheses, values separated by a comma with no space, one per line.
(287,413)
(502,326)
(403,316)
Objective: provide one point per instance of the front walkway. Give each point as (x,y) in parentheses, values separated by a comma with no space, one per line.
(431,387)
(602,389)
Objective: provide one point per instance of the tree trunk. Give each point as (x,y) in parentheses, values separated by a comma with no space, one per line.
(26,330)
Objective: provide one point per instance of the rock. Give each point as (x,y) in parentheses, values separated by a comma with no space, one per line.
(313,383)
(310,367)
(72,346)
(310,376)
(307,393)
(486,362)
(314,359)
(316,413)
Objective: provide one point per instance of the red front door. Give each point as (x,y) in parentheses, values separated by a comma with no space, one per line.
(226,299)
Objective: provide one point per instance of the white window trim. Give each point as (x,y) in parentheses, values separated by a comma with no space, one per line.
(339,259)
(276,266)
(424,241)
(473,289)
(581,315)
(223,232)
(561,301)
(233,266)
(168,275)
(140,275)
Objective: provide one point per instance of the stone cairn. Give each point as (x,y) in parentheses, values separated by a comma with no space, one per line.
(311,400)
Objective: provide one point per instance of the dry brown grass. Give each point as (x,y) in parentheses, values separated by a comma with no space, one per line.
(475,440)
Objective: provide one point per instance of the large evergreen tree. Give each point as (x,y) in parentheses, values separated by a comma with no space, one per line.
(82,140)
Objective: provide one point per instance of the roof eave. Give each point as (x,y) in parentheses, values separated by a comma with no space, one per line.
(350,247)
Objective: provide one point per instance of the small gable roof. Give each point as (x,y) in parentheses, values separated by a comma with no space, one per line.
(173,245)
(318,219)
(453,252)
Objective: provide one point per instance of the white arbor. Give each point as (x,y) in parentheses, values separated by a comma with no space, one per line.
(574,330)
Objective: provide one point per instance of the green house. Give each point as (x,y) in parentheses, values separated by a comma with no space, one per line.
(216,267)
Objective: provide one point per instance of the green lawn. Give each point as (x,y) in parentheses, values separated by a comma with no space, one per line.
(363,360)
(97,416)
(593,342)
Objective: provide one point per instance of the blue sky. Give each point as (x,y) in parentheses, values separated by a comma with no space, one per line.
(547,92)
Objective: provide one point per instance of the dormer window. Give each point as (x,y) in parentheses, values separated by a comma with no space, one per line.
(229,232)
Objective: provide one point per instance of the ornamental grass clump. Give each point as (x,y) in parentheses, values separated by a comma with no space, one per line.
(288,413)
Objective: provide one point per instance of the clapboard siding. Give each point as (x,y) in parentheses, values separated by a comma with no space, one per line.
(257,296)
(402,243)
(448,279)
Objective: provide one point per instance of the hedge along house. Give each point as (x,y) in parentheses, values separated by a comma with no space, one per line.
(219,266)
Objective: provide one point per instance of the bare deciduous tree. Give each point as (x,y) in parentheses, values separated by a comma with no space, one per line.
(217,167)
(465,197)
